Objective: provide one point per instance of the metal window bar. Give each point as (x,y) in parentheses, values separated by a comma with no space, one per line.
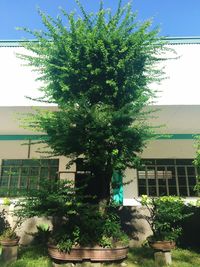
(19,178)
(9,179)
(166,177)
(157,185)
(177,183)
(187,182)
(27,180)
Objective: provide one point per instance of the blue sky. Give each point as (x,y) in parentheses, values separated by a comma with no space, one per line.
(175,17)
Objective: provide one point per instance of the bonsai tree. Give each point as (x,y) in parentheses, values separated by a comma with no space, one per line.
(165,216)
(97,69)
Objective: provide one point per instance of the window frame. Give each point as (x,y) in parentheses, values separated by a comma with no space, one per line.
(155,164)
(23,165)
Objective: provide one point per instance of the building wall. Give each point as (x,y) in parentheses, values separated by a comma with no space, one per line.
(11,130)
(177,103)
(180,124)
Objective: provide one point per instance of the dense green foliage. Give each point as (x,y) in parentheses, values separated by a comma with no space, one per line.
(165,216)
(52,198)
(97,68)
(75,222)
(89,228)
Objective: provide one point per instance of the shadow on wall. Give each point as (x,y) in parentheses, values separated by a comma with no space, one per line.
(191,229)
(28,229)
(134,224)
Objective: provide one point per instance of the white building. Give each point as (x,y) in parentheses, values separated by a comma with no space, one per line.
(169,168)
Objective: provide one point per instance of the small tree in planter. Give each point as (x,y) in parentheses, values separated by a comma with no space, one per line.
(165,216)
(97,69)
(8,238)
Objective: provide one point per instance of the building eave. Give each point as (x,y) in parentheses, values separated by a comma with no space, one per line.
(174,40)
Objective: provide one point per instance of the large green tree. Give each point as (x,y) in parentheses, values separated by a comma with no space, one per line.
(97,68)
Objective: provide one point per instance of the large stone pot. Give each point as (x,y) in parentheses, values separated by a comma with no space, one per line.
(162,245)
(95,253)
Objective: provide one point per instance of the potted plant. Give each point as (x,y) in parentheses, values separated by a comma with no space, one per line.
(90,234)
(8,237)
(80,230)
(165,216)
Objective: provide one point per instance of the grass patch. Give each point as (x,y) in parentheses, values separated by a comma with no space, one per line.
(143,257)
(138,257)
(33,256)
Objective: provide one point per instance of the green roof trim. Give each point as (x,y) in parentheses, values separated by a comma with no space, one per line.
(176,136)
(9,137)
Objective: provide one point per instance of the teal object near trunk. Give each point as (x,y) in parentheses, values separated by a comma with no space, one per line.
(117,187)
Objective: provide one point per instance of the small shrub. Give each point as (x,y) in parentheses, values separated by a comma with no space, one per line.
(165,216)
(6,231)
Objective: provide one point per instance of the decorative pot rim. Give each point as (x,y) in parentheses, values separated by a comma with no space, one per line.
(165,245)
(9,242)
(93,253)
(162,241)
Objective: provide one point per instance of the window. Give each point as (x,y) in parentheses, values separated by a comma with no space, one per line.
(19,175)
(160,177)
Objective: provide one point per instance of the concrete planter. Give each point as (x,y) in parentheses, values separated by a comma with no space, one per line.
(95,253)
(9,250)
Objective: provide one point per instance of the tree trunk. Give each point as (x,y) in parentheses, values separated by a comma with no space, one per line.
(103,185)
(96,186)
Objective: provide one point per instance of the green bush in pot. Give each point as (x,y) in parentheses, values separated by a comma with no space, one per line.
(165,215)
